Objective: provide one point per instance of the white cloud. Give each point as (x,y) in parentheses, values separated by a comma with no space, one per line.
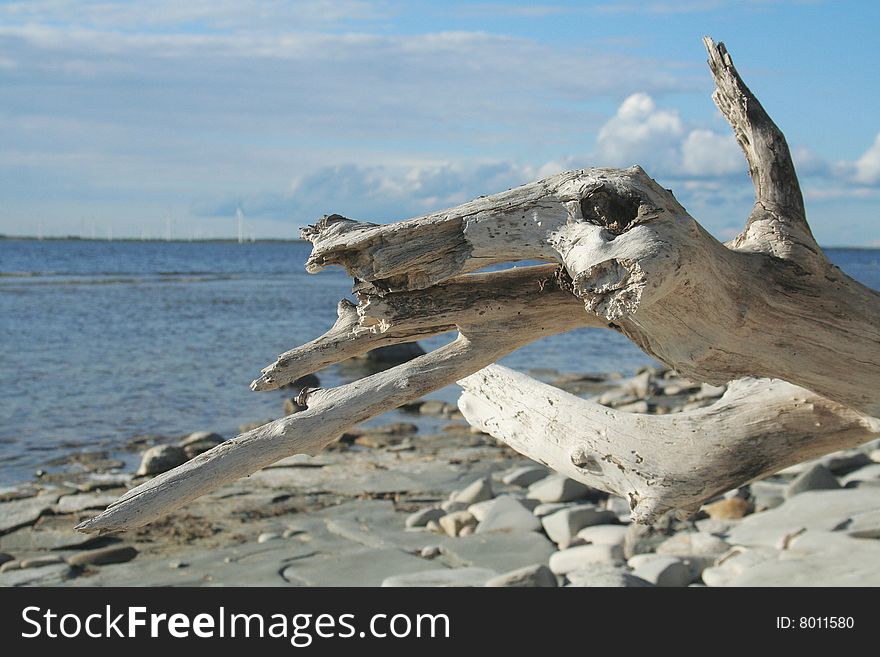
(707,153)
(867,167)
(658,139)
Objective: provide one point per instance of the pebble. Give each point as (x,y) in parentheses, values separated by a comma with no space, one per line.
(558,488)
(10,565)
(525,476)
(714,526)
(864,525)
(604,575)
(729,509)
(737,561)
(21,512)
(498,551)
(823,510)
(477,491)
(434,526)
(103,556)
(265,537)
(665,572)
(201,436)
(603,534)
(453,523)
(542,510)
(866,473)
(693,544)
(444,577)
(423,516)
(563,525)
(161,458)
(450,506)
(816,478)
(507,514)
(481,509)
(537,575)
(430,552)
(39,562)
(618,506)
(640,406)
(575,558)
(83,501)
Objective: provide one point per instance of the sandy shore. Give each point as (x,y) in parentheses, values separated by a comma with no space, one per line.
(430,502)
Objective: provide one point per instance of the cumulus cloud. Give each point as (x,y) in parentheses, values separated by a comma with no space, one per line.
(657,138)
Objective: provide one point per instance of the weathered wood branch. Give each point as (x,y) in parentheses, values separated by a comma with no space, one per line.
(662,462)
(768,304)
(779,212)
(530,295)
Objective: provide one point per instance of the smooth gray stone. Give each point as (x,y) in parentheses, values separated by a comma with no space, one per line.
(867,473)
(536,575)
(479,490)
(201,436)
(499,551)
(863,525)
(665,572)
(815,558)
(579,557)
(542,510)
(844,462)
(736,562)
(558,488)
(817,477)
(83,501)
(605,576)
(603,534)
(454,523)
(246,564)
(38,537)
(103,556)
(618,506)
(448,577)
(19,513)
(421,517)
(823,510)
(562,526)
(48,576)
(506,514)
(525,476)
(365,567)
(696,544)
(161,458)
(40,561)
(480,509)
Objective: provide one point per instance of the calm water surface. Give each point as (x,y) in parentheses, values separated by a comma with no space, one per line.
(102,341)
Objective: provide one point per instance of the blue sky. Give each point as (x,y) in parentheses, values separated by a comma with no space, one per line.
(117,115)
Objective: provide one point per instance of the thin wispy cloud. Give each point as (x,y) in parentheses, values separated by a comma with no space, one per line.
(120,112)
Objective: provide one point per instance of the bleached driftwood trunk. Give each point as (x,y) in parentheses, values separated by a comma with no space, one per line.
(767,304)
(666,462)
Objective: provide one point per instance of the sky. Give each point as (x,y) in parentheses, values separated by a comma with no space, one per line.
(140,119)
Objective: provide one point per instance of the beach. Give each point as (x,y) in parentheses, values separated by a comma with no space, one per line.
(428,501)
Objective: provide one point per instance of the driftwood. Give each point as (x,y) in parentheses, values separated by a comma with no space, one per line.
(767,305)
